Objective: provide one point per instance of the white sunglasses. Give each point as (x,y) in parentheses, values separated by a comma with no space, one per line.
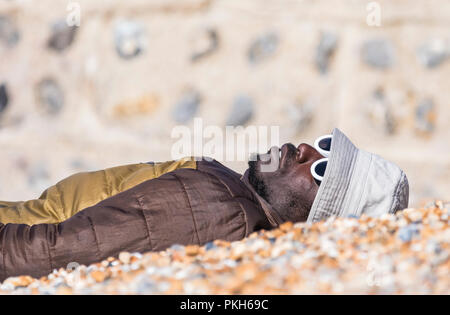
(323,146)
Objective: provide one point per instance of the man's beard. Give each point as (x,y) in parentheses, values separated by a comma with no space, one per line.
(289,203)
(257,183)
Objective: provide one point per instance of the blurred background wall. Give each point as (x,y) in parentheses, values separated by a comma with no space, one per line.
(110,91)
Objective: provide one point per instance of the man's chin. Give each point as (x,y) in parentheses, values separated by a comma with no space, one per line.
(254,178)
(253,169)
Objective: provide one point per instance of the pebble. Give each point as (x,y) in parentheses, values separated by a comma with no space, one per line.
(378,53)
(262,48)
(125,257)
(238,251)
(62,36)
(98,276)
(407,233)
(391,254)
(241,111)
(21,281)
(209,246)
(192,250)
(413,214)
(9,34)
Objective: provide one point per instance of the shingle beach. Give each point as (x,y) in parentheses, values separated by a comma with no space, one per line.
(406,253)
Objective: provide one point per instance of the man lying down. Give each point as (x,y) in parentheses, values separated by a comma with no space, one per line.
(144,207)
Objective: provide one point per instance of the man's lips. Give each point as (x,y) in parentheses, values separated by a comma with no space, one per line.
(272,154)
(281,156)
(288,151)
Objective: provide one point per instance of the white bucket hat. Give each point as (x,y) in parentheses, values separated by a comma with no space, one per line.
(357,182)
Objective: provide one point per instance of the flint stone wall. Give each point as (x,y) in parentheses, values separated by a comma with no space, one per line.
(110,91)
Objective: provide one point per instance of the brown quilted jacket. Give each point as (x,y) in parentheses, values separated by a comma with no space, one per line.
(185,206)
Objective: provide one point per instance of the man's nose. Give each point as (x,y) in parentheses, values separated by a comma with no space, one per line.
(307,153)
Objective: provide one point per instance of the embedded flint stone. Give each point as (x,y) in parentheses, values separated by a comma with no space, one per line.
(62,36)
(206,43)
(325,50)
(241,111)
(4,98)
(425,116)
(129,39)
(378,53)
(262,48)
(9,34)
(187,106)
(50,96)
(433,53)
(301,114)
(379,111)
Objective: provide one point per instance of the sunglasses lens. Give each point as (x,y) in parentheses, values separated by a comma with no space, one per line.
(325,144)
(320,168)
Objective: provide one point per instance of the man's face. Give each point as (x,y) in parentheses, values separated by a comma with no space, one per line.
(283,178)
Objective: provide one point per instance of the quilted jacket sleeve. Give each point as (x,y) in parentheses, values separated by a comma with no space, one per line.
(184,207)
(63,200)
(113,225)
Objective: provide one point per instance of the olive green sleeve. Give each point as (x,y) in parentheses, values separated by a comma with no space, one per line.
(83,190)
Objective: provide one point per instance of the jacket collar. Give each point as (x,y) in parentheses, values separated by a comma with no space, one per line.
(271,214)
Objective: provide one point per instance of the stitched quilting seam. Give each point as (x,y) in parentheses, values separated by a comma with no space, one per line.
(190,206)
